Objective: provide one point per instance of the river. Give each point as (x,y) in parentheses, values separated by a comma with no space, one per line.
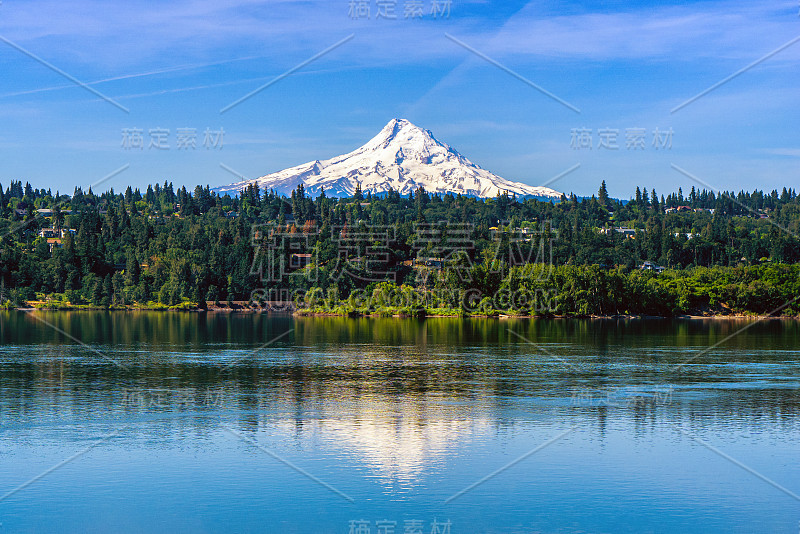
(214,422)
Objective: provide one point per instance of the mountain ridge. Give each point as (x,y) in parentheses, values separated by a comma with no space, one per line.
(401,157)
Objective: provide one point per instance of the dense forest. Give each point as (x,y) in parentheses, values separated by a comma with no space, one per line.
(698,252)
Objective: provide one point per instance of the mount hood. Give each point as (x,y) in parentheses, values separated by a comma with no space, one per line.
(402,157)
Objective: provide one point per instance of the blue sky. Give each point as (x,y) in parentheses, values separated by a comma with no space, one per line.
(624,65)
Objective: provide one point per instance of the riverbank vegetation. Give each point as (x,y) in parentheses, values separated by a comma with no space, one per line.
(703,253)
(584,291)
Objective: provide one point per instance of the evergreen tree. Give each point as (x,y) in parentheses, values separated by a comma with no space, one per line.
(602,195)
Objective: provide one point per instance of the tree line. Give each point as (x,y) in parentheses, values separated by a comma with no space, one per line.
(175,247)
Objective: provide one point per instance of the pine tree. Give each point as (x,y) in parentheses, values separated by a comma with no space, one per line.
(602,195)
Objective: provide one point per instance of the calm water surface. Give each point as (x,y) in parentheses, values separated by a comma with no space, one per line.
(178,422)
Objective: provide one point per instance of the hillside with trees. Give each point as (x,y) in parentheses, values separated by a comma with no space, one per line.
(695,252)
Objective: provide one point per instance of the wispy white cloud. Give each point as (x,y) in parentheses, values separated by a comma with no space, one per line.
(156,72)
(673,33)
(140,32)
(790,152)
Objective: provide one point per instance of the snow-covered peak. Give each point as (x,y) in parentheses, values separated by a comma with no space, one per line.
(400,130)
(402,157)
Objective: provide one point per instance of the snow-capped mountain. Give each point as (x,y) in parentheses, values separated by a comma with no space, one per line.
(402,157)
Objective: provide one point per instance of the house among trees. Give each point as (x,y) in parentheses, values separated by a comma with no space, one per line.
(650,266)
(435,263)
(298,261)
(688,235)
(629,233)
(48,233)
(54,232)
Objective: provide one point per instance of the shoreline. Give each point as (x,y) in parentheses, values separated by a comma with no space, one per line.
(560,317)
(357,315)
